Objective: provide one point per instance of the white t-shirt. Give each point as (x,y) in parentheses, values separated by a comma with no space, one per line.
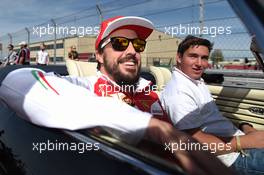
(189,105)
(51,101)
(12,56)
(42,57)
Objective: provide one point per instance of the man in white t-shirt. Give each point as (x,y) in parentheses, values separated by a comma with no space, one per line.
(12,55)
(42,57)
(191,108)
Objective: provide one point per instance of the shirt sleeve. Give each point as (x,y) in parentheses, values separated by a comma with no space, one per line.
(48,100)
(80,81)
(181,108)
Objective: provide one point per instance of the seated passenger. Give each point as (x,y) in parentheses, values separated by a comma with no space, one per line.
(191,108)
(73,103)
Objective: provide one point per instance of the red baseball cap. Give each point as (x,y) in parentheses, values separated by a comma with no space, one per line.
(143,27)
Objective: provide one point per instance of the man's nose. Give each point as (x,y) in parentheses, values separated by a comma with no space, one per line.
(130,49)
(199,61)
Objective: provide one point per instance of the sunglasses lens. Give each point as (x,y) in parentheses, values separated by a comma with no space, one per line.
(139,45)
(119,44)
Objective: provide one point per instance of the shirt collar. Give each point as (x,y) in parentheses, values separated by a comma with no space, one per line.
(194,81)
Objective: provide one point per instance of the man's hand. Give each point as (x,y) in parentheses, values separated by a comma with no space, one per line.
(246,127)
(254,139)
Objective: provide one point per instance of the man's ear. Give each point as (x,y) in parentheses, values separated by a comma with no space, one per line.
(99,57)
(178,58)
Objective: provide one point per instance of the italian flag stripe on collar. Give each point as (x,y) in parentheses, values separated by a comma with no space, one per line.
(42,80)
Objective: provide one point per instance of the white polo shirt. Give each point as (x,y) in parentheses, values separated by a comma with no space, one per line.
(189,105)
(42,57)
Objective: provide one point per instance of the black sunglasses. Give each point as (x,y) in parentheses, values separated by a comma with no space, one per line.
(121,43)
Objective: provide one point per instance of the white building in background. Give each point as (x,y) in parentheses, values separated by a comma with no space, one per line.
(160,50)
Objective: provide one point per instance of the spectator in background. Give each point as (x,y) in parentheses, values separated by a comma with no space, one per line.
(23,54)
(11,57)
(73,54)
(28,53)
(42,57)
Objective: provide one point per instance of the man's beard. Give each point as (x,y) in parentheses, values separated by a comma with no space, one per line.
(118,76)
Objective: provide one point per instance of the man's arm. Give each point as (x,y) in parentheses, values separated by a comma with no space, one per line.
(251,140)
(47,100)
(193,161)
(22,58)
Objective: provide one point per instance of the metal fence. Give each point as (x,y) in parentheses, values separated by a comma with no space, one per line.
(173,17)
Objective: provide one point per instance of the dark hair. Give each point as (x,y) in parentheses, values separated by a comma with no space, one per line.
(11,45)
(191,41)
(100,51)
(43,44)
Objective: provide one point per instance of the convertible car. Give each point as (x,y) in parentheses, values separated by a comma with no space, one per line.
(29,149)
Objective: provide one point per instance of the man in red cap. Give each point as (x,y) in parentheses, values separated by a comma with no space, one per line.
(43,98)
(118,47)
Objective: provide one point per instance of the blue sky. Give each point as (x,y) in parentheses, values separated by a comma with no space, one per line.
(15,15)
